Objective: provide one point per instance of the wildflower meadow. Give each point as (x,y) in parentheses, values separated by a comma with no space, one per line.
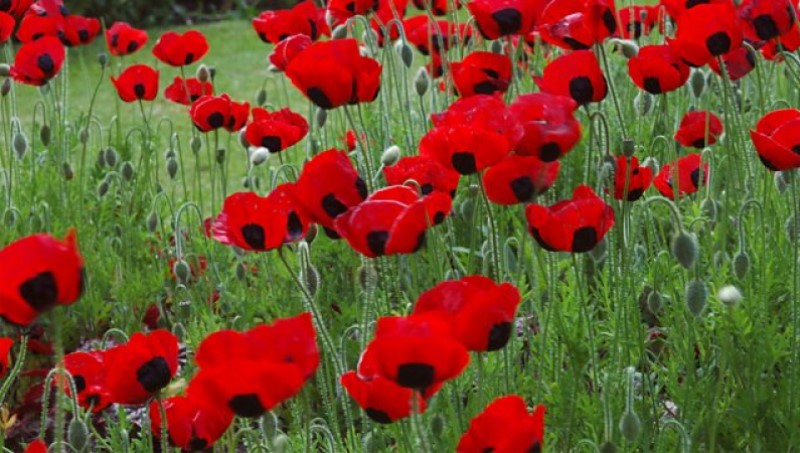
(505,226)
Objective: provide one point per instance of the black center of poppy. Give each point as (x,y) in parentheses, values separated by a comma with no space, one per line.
(115,40)
(499,336)
(609,21)
(40,292)
(693,3)
(426,189)
(272,143)
(652,85)
(376,242)
(331,233)
(635,194)
(438,217)
(80,383)
(216,120)
(767,163)
(189,59)
(485,87)
(574,44)
(318,97)
(536,448)
(139,90)
(332,206)
(509,21)
(197,444)
(549,152)
(361,187)
(581,90)
(719,43)
(254,236)
(378,416)
(93,400)
(765,26)
(351,7)
(154,374)
(415,375)
(699,143)
(750,57)
(796,149)
(464,163)
(294,227)
(420,242)
(635,29)
(83,35)
(313,26)
(132,46)
(523,188)
(45,64)
(247,405)
(488,450)
(584,239)
(491,73)
(696,177)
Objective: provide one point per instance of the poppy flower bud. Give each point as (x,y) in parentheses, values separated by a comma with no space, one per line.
(628,48)
(127,170)
(269,425)
(696,296)
(281,443)
(170,154)
(10,217)
(652,164)
(5,70)
(261,98)
(66,170)
(630,425)
(628,147)
(101,158)
(422,81)
(496,46)
(741,264)
(390,156)
(111,157)
(405,52)
(102,59)
(339,32)
(654,302)
(608,447)
(83,135)
(102,188)
(437,426)
(321,117)
(77,434)
(5,88)
(781,183)
(44,134)
(219,155)
(240,271)
(182,271)
(20,144)
(195,144)
(729,295)
(697,82)
(203,74)
(643,103)
(684,248)
(172,168)
(152,222)
(258,156)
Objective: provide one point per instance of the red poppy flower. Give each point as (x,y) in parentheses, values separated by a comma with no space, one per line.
(576,225)
(285,51)
(350,140)
(434,37)
(137,83)
(480,311)
(676,8)
(88,372)
(429,174)
(191,424)
(518,179)
(302,19)
(631,179)
(32,28)
(38,61)
(777,139)
(333,73)
(738,63)
(7,24)
(213,112)
(392,221)
(252,222)
(438,7)
(5,358)
(186,91)
(36,273)
(705,32)
(481,73)
(689,176)
(47,8)
(122,39)
(505,425)
(789,41)
(638,20)
(416,352)
(382,400)
(151,317)
(385,20)
(138,369)
(328,186)
(178,50)
(577,25)
(507,17)
(472,134)
(656,69)
(763,20)
(551,130)
(36,446)
(341,10)
(16,8)
(79,30)
(577,75)
(276,131)
(699,129)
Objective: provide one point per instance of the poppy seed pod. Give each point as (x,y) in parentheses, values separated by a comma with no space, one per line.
(127,170)
(405,52)
(685,248)
(111,157)
(67,172)
(102,59)
(741,264)
(730,296)
(20,144)
(195,144)
(390,156)
(5,88)
(261,97)
(44,134)
(643,103)
(422,82)
(172,168)
(182,271)
(321,117)
(78,434)
(152,222)
(696,296)
(5,70)
(628,147)
(630,425)
(697,82)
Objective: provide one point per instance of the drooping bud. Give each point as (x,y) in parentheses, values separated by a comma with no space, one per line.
(78,434)
(406,54)
(367,277)
(741,264)
(497,46)
(5,70)
(219,155)
(628,48)
(608,447)
(127,170)
(258,156)
(340,32)
(195,144)
(152,222)
(20,144)
(102,188)
(685,248)
(696,297)
(630,425)
(261,97)
(390,156)
(67,172)
(654,302)
(321,117)
(311,279)
(422,81)
(182,271)
(697,82)
(241,271)
(44,134)
(111,157)
(203,74)
(10,218)
(437,426)
(84,135)
(172,168)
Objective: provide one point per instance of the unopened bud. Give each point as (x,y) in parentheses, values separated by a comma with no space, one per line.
(203,74)
(654,302)
(643,103)
(696,296)
(182,271)
(241,271)
(219,155)
(710,209)
(630,425)
(111,157)
(5,88)
(340,32)
(497,46)
(10,217)
(367,277)
(422,81)
(195,144)
(20,144)
(258,156)
(311,279)
(152,222)
(78,434)
(127,170)
(697,83)
(102,59)
(321,117)
(261,97)
(390,156)
(405,52)
(741,264)
(627,48)
(102,188)
(66,170)
(44,134)
(729,295)
(5,70)
(628,147)
(437,426)
(172,168)
(684,248)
